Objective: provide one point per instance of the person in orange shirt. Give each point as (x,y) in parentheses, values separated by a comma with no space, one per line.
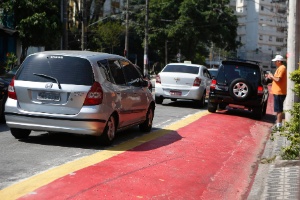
(279,87)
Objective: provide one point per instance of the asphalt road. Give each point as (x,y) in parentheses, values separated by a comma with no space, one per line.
(21,159)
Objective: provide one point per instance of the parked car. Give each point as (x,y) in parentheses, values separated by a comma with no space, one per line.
(182,81)
(4,83)
(213,72)
(239,85)
(78,92)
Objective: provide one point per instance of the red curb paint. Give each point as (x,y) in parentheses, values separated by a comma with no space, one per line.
(212,158)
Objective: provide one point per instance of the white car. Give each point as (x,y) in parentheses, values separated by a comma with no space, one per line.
(183,81)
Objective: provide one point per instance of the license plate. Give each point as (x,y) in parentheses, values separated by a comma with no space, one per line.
(48,96)
(175,93)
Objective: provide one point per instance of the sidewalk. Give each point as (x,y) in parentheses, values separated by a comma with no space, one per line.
(276,178)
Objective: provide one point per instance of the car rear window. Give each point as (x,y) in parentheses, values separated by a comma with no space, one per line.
(182,69)
(66,69)
(228,72)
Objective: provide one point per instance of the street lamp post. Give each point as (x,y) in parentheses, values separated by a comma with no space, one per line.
(146,40)
(83,26)
(126,33)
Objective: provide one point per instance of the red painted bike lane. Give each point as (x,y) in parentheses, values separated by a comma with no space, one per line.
(215,157)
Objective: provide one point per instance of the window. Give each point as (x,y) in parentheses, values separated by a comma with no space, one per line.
(279,39)
(65,69)
(131,73)
(270,38)
(116,72)
(261,8)
(260,37)
(104,65)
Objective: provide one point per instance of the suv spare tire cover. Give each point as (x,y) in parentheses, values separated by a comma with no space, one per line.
(240,89)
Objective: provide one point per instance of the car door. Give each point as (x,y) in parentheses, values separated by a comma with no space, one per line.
(138,94)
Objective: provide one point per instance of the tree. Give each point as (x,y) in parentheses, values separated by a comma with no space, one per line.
(38,22)
(108,35)
(190,26)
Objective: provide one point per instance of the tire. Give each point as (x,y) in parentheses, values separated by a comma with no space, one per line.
(158,100)
(146,126)
(257,112)
(108,136)
(265,107)
(212,107)
(201,103)
(222,106)
(20,133)
(240,89)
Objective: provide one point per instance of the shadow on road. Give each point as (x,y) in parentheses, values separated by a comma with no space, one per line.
(90,142)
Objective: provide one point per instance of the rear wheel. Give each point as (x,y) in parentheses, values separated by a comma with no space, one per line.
(109,133)
(20,133)
(159,100)
(257,112)
(146,126)
(222,106)
(265,108)
(212,107)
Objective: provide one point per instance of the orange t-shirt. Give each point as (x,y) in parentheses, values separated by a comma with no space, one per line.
(280,87)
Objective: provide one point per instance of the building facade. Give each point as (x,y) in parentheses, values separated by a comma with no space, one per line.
(262,29)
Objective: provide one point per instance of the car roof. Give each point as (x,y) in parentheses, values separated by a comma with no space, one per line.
(187,64)
(77,53)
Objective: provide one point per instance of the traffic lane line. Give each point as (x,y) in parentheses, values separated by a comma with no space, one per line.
(28,186)
(204,160)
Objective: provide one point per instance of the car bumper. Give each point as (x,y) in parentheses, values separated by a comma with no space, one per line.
(192,93)
(254,102)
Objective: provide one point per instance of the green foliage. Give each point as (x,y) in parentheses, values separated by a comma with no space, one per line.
(189,26)
(11,61)
(291,129)
(107,35)
(38,22)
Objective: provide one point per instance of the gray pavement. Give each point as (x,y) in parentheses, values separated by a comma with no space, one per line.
(276,178)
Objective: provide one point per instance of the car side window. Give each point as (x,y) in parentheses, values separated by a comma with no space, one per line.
(206,73)
(104,65)
(130,72)
(116,72)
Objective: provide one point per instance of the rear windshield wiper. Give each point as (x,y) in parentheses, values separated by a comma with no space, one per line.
(49,77)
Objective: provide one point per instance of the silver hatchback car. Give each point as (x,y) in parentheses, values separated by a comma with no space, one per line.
(78,92)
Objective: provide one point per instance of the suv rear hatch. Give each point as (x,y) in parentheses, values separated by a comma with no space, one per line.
(53,84)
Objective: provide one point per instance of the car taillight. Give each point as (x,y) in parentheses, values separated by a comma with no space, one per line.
(94,96)
(157,79)
(197,82)
(11,89)
(213,84)
(260,90)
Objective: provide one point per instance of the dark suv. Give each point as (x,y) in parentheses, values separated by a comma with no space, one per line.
(239,84)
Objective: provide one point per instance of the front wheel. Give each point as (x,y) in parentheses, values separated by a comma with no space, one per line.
(109,133)
(20,133)
(146,126)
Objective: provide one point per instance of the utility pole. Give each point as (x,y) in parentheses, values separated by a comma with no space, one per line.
(126,33)
(293,53)
(146,40)
(83,25)
(65,24)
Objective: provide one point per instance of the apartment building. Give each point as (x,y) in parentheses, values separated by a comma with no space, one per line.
(262,29)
